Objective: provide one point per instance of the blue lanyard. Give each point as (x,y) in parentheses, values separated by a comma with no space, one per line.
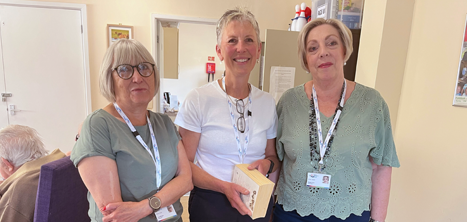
(155,157)
(241,152)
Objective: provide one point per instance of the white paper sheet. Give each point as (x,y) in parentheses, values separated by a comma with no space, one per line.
(281,79)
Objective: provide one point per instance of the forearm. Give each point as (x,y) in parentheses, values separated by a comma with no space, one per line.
(204,180)
(174,189)
(103,184)
(381,185)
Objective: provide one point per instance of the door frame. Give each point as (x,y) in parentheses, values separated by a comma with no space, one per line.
(155,19)
(84,37)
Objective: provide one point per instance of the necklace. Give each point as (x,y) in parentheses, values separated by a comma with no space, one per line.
(244,104)
(319,149)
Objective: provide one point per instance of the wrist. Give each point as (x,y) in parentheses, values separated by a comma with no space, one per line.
(154,203)
(223,186)
(271,167)
(146,209)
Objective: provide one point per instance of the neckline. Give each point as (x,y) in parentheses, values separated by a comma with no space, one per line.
(116,119)
(223,91)
(300,91)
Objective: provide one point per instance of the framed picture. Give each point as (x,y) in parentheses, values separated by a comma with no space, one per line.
(116,32)
(460,92)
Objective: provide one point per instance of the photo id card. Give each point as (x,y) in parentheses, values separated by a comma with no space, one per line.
(166,213)
(318,180)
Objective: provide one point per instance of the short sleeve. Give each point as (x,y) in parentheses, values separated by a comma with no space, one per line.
(280,121)
(170,127)
(94,140)
(271,133)
(189,116)
(385,151)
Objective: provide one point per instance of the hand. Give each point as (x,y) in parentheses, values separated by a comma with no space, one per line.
(125,211)
(261,165)
(232,192)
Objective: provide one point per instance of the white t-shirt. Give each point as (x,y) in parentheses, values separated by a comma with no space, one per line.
(206,111)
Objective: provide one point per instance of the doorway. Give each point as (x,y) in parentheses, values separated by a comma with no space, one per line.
(158,49)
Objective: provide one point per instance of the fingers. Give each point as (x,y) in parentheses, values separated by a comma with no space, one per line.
(254,165)
(109,208)
(240,189)
(235,200)
(242,209)
(262,165)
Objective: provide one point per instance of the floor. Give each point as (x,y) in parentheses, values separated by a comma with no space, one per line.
(184,201)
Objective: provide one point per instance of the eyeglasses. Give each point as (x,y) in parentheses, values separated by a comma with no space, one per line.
(125,71)
(241,120)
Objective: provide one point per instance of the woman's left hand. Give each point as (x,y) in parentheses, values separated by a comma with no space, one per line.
(125,211)
(261,165)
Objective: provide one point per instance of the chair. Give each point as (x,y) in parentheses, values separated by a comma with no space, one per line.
(61,194)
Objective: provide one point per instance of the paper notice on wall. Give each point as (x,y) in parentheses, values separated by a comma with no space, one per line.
(281,79)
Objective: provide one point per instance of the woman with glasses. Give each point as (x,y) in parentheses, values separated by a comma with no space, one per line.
(131,160)
(228,122)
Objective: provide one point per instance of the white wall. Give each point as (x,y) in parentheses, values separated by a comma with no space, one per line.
(196,43)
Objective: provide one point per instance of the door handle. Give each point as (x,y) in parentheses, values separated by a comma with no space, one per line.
(5,95)
(13,110)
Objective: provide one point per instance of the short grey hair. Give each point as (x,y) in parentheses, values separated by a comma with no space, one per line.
(123,51)
(344,33)
(238,14)
(20,144)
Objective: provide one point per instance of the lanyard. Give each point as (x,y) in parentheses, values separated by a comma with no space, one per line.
(323,145)
(241,152)
(156,159)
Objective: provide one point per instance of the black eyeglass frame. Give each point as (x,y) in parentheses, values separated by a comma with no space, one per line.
(241,119)
(133,68)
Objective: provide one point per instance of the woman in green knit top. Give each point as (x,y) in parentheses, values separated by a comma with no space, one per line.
(334,137)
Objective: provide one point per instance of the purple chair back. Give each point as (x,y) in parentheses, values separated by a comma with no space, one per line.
(61,194)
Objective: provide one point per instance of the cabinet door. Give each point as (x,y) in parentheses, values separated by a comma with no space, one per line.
(281,50)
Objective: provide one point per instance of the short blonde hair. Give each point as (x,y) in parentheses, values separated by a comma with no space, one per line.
(238,14)
(344,33)
(123,51)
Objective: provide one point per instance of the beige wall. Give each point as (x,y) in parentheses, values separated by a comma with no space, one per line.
(196,43)
(431,135)
(137,13)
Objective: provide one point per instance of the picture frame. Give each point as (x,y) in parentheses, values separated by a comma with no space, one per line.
(116,32)
(460,91)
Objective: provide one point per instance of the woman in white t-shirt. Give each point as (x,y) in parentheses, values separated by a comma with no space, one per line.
(228,122)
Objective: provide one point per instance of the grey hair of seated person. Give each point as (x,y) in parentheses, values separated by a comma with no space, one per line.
(20,144)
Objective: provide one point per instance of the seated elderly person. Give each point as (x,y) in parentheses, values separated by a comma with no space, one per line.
(22,154)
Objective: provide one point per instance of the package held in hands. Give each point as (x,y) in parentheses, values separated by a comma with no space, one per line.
(259,186)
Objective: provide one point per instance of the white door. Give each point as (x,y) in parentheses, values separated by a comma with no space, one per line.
(44,70)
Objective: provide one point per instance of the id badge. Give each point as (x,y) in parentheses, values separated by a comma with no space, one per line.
(166,213)
(318,180)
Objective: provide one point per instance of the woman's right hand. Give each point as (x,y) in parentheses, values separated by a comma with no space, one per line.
(232,191)
(126,211)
